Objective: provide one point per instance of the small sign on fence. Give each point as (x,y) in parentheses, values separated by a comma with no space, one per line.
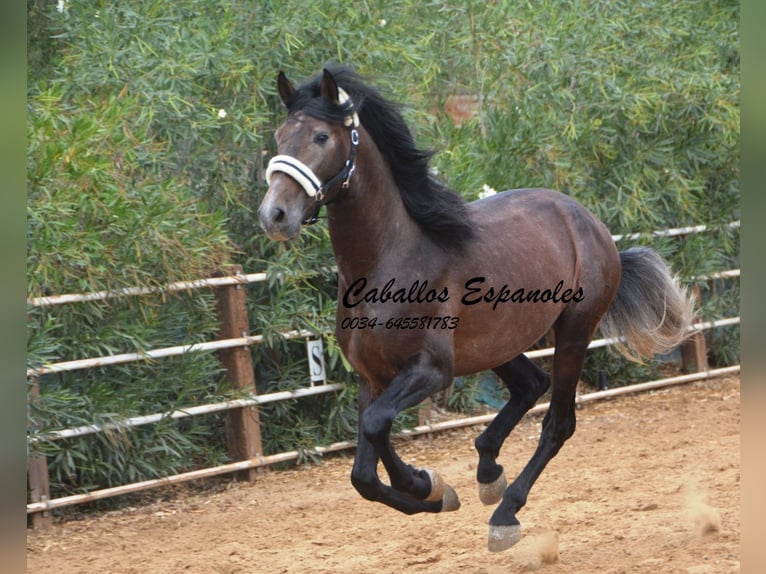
(315,353)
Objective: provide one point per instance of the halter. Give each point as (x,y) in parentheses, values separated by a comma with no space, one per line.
(304,175)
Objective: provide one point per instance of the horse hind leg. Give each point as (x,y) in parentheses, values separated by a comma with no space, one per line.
(526,382)
(558,425)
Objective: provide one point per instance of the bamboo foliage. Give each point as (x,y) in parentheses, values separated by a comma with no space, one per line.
(149,124)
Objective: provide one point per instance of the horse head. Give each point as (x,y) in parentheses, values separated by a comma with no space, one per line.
(315,155)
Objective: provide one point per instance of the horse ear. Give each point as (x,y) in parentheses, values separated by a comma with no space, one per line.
(285,87)
(330,87)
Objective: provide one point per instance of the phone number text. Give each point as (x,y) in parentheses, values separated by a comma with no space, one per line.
(401,323)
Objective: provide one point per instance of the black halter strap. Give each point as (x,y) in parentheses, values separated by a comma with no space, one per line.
(328,192)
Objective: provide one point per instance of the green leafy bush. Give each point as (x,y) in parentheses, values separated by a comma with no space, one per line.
(150,122)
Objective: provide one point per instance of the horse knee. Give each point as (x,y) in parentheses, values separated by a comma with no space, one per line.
(376,423)
(366,484)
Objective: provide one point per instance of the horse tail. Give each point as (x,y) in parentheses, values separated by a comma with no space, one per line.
(651,310)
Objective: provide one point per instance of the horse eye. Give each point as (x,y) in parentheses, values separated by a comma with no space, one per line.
(321,137)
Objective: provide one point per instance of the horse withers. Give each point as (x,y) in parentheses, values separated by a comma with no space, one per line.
(431,287)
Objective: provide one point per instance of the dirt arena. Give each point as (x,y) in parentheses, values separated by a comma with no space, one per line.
(649,483)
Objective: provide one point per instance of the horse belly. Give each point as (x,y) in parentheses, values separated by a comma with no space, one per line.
(484,341)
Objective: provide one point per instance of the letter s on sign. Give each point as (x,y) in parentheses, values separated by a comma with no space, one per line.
(316,361)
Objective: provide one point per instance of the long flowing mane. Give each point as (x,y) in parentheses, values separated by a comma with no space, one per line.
(440,212)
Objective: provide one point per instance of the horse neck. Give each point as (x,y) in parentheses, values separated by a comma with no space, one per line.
(370,226)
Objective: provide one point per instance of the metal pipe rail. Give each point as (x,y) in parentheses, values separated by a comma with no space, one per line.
(670,232)
(345,445)
(236,279)
(240,278)
(158,353)
(250,401)
(255,339)
(254,400)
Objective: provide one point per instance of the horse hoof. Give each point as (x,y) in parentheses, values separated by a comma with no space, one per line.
(491,493)
(450,501)
(437,486)
(503,537)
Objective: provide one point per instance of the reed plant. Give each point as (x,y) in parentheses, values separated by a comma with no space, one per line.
(150,123)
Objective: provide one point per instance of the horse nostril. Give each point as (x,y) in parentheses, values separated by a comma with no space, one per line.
(279,215)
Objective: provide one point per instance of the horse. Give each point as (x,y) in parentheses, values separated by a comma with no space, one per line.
(431,287)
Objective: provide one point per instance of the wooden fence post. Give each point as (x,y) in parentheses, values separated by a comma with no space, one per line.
(243,427)
(37,478)
(694,349)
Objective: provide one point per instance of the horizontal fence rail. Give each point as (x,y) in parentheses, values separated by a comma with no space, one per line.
(42,504)
(236,279)
(347,445)
(255,400)
(670,232)
(241,278)
(158,353)
(605,342)
(252,340)
(251,401)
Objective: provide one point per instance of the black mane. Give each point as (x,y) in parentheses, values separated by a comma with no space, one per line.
(440,212)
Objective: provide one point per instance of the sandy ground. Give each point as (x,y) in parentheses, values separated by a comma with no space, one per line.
(649,483)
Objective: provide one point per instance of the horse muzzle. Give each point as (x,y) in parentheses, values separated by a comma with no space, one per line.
(273,223)
(281,220)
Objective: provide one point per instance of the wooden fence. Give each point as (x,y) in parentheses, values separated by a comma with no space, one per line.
(243,424)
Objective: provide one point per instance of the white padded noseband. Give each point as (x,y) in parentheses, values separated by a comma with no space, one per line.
(296,169)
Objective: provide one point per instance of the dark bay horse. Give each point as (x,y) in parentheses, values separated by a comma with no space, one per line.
(431,287)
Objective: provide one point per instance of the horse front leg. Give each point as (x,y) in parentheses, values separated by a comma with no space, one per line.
(364,477)
(412,490)
(364,474)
